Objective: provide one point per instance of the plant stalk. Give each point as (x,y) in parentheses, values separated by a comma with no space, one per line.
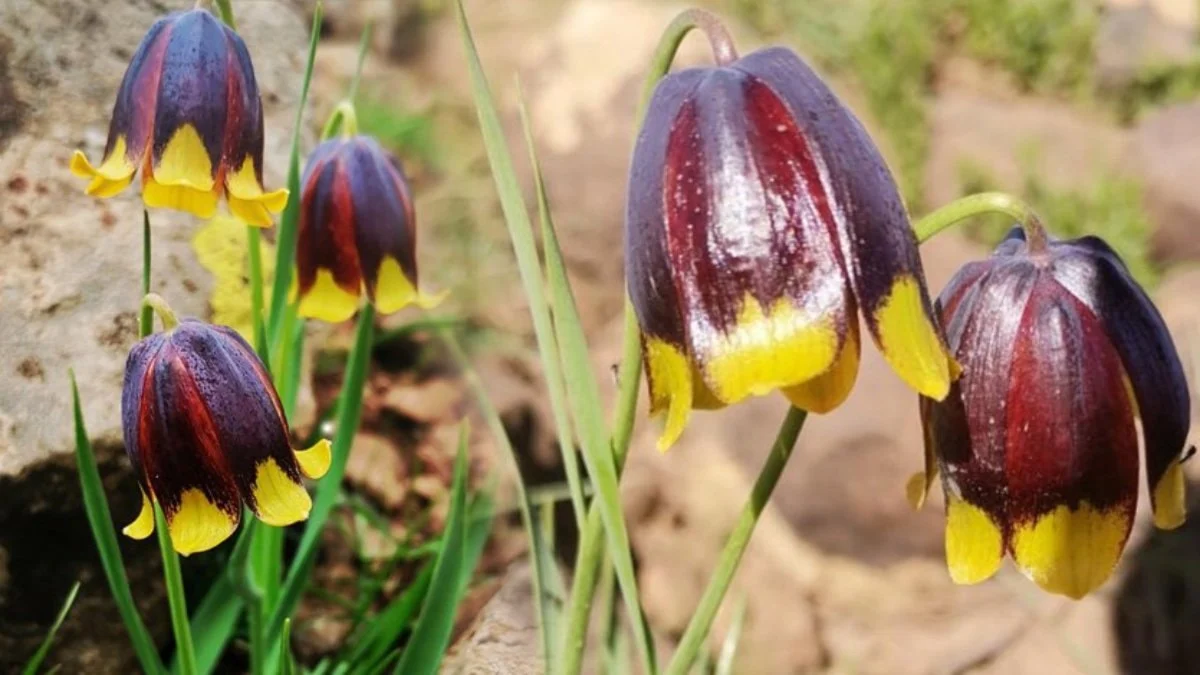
(735,546)
(979,204)
(185,651)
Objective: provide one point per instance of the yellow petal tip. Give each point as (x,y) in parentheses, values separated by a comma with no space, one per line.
(974,544)
(916,490)
(1170,506)
(314,462)
(143,525)
(198,524)
(1071,552)
(910,343)
(327,301)
(279,500)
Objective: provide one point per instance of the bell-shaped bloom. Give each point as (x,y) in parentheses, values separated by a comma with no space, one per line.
(357,231)
(189,116)
(1036,443)
(206,434)
(760,220)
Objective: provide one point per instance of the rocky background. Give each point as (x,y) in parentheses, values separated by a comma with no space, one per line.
(1091,110)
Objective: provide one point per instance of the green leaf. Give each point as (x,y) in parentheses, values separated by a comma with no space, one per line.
(100,520)
(285,248)
(431,633)
(348,415)
(583,396)
(213,624)
(35,661)
(520,231)
(374,644)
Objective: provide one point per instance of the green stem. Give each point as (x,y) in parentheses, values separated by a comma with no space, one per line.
(979,204)
(225,11)
(660,64)
(146,320)
(343,118)
(156,302)
(185,654)
(698,628)
(254,252)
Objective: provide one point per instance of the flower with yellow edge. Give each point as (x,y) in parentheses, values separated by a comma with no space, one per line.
(189,116)
(1036,444)
(357,232)
(206,434)
(760,220)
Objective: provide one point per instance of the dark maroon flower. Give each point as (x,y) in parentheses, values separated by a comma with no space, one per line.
(760,219)
(206,434)
(188,114)
(1036,443)
(357,229)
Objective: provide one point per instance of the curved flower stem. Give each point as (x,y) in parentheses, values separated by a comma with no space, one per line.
(735,546)
(225,11)
(343,118)
(978,204)
(157,303)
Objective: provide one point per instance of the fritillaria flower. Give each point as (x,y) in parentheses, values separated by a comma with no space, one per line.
(1037,447)
(189,116)
(206,434)
(761,219)
(357,231)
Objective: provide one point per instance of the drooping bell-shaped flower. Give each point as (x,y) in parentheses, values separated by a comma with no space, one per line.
(1036,443)
(189,117)
(357,231)
(760,220)
(206,434)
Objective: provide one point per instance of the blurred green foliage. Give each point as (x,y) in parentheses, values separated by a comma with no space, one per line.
(1111,208)
(405,132)
(891,48)
(1157,84)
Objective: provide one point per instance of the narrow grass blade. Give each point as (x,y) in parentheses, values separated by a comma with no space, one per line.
(553,594)
(213,624)
(583,397)
(732,638)
(100,520)
(386,627)
(348,416)
(146,317)
(35,661)
(289,222)
(431,633)
(520,231)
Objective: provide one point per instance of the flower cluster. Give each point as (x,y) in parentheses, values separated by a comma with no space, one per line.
(203,423)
